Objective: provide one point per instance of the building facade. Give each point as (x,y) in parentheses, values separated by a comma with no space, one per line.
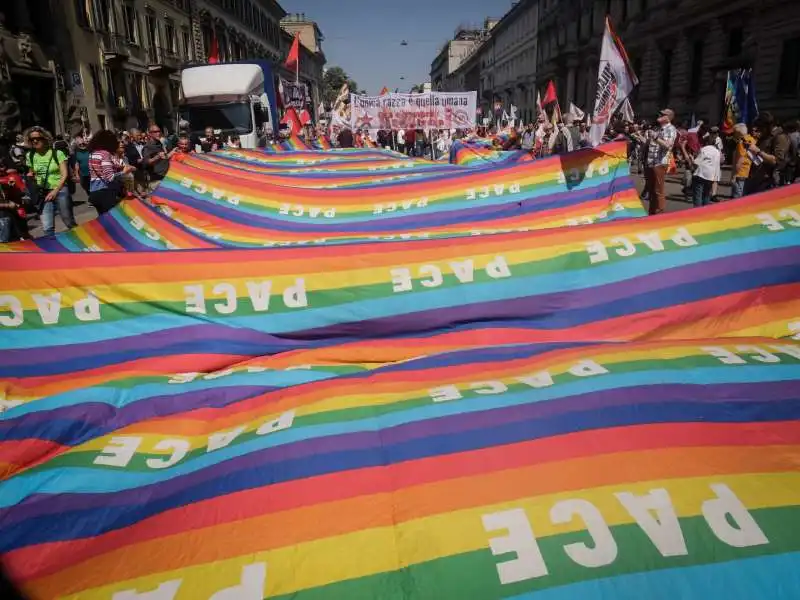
(31,80)
(312,58)
(681,52)
(124,68)
(446,74)
(508,61)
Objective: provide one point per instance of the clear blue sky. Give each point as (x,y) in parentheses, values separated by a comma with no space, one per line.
(363,36)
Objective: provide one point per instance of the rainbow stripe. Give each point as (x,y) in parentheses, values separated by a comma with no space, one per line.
(240,199)
(321,142)
(294,143)
(322,490)
(462,398)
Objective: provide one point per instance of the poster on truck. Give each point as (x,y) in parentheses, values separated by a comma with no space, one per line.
(433,110)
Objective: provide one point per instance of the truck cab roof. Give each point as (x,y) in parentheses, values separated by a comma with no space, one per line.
(221,83)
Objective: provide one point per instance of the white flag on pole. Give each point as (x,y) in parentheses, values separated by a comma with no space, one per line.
(576,112)
(615,81)
(627,111)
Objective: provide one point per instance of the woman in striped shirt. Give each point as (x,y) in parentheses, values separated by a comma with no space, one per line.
(105,171)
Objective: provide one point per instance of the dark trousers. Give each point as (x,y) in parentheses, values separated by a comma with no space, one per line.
(701,191)
(104,200)
(654,185)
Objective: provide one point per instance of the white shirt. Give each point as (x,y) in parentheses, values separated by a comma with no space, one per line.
(401,136)
(707,163)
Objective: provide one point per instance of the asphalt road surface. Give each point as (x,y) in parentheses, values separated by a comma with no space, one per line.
(675,200)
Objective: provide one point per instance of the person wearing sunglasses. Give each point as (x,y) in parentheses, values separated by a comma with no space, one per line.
(47,176)
(154,156)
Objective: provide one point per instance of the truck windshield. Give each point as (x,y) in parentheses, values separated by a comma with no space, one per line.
(227,117)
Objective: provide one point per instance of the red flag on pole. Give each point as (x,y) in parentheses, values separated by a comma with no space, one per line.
(213,53)
(292,120)
(550,94)
(384,91)
(293,60)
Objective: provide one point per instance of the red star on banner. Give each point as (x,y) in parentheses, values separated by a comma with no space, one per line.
(365,121)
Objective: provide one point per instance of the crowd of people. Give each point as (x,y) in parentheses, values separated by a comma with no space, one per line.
(40,173)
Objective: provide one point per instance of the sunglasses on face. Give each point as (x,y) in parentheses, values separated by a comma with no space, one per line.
(155,131)
(37,139)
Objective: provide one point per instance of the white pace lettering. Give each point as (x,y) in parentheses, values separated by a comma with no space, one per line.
(604,550)
(730,520)
(758,354)
(498,268)
(178,450)
(655,514)
(49,307)
(183,377)
(435,276)
(250,586)
(87,309)
(627,249)
(285,421)
(520,540)
(587,368)
(118,452)
(195,299)
(294,296)
(792,215)
(788,349)
(725,356)
(259,293)
(652,240)
(769,221)
(13,305)
(597,252)
(464,270)
(488,387)
(228,306)
(683,238)
(223,438)
(444,393)
(165,591)
(401,280)
(537,380)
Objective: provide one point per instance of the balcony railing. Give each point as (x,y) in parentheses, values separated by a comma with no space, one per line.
(115,47)
(162,59)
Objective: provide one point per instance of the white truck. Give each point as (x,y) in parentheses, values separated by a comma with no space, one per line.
(233,98)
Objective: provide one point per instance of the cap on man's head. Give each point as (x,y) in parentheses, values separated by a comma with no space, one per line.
(714,129)
(668,112)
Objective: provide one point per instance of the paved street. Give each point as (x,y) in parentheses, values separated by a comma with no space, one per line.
(675,201)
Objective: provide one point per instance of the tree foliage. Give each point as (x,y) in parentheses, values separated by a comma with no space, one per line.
(332,83)
(417,88)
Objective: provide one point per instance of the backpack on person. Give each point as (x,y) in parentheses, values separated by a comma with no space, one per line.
(37,191)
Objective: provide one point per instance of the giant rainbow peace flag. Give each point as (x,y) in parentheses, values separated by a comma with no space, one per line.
(239,199)
(515,389)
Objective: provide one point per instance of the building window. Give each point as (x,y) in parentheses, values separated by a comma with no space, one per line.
(735,41)
(170,38)
(82,13)
(131,23)
(102,16)
(186,38)
(97,83)
(789,72)
(151,28)
(666,75)
(696,79)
